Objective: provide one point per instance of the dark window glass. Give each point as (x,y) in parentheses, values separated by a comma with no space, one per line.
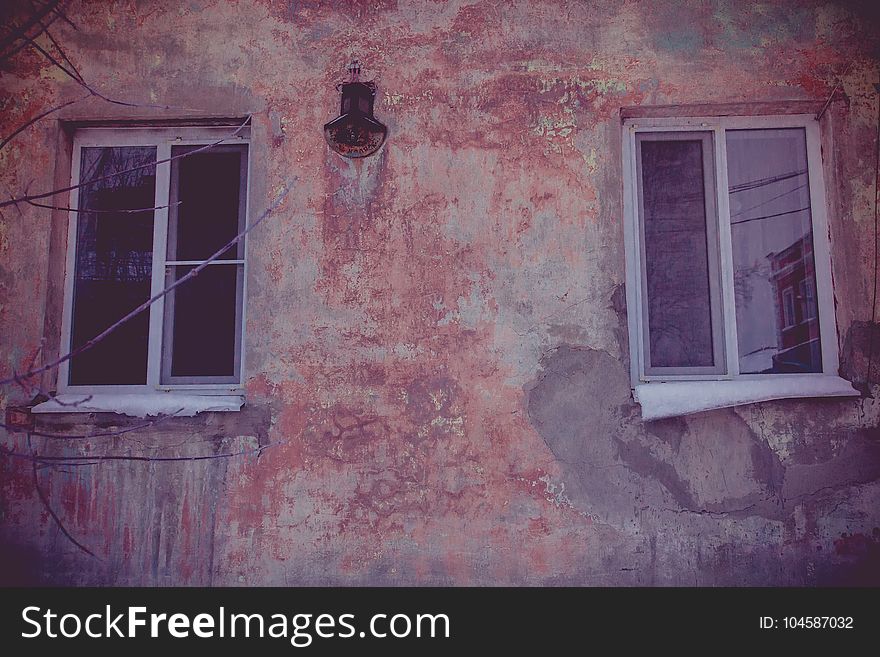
(205,321)
(114,253)
(209,187)
(676,253)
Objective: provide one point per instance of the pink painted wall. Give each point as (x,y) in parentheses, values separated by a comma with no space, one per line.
(436,336)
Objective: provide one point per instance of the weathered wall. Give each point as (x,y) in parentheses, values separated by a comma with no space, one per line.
(436,336)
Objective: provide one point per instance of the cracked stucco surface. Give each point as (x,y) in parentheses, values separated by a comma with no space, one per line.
(436,336)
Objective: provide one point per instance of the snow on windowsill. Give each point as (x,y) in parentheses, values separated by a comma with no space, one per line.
(673,398)
(178,404)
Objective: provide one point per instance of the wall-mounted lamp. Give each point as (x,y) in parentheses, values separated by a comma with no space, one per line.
(355,132)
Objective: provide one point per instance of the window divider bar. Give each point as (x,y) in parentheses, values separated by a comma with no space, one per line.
(157,283)
(713,250)
(644,331)
(241,316)
(179,263)
(633,260)
(70,270)
(728,295)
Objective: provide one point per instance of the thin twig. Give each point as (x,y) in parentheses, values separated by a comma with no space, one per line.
(73,404)
(75,76)
(97,434)
(93,211)
(24,44)
(38,117)
(78,79)
(59,48)
(57,11)
(85,85)
(35,391)
(873,326)
(822,111)
(36,458)
(28,198)
(146,304)
(45,500)
(16,35)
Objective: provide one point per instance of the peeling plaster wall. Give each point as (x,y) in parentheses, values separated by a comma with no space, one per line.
(436,336)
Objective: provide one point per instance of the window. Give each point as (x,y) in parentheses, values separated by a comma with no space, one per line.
(808,299)
(787,308)
(728,263)
(137,229)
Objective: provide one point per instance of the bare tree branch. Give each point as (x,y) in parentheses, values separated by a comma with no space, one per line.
(20,36)
(36,458)
(35,391)
(24,44)
(22,29)
(58,46)
(146,304)
(45,500)
(97,434)
(85,85)
(76,78)
(93,211)
(58,12)
(22,33)
(37,118)
(27,197)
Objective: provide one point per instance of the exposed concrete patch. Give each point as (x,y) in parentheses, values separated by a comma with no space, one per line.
(581,407)
(727,483)
(857,463)
(578,404)
(728,468)
(618,305)
(856,351)
(669,431)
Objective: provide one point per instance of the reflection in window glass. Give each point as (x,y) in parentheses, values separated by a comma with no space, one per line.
(772,242)
(676,255)
(114,253)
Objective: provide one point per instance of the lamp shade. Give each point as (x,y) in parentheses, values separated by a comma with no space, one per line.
(356,132)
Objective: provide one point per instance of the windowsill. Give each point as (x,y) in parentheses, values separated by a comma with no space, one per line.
(673,398)
(141,404)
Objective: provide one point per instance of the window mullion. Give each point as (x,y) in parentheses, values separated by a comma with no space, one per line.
(160,237)
(196,263)
(70,269)
(725,244)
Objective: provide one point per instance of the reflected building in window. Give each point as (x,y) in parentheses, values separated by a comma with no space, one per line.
(792,277)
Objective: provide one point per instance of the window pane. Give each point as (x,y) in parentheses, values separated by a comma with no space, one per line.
(774,270)
(675,240)
(202,320)
(114,254)
(209,187)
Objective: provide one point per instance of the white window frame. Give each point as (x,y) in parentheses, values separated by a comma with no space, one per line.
(107,397)
(671,394)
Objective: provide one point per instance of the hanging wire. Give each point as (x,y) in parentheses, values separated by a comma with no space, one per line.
(871,329)
(822,111)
